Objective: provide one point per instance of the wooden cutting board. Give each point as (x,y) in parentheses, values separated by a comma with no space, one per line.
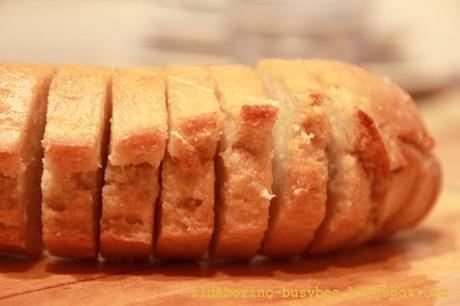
(421,266)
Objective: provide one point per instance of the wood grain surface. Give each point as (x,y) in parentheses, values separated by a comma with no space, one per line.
(416,267)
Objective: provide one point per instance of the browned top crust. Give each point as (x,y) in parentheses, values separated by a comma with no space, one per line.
(138,136)
(76,110)
(185,214)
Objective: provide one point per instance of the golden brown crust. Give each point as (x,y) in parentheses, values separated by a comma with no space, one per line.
(300,163)
(75,144)
(185,216)
(137,145)
(10,160)
(23,91)
(244,163)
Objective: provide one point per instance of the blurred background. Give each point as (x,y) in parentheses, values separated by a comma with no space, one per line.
(414,43)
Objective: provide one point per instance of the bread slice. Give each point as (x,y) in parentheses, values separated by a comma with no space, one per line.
(244,164)
(137,144)
(300,162)
(75,142)
(23,92)
(398,188)
(421,198)
(185,216)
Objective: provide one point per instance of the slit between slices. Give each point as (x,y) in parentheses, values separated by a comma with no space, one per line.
(348,188)
(20,196)
(281,133)
(296,131)
(187,174)
(243,194)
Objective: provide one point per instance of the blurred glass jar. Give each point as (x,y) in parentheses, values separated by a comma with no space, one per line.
(299,29)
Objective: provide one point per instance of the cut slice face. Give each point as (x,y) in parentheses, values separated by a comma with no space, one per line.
(75,144)
(23,93)
(244,164)
(300,173)
(185,218)
(137,144)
